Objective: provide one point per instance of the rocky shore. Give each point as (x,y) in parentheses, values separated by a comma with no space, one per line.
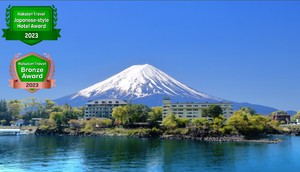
(221,139)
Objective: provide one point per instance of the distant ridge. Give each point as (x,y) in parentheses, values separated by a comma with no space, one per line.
(148,85)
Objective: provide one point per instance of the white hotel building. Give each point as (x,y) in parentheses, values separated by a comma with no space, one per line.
(102,108)
(193,110)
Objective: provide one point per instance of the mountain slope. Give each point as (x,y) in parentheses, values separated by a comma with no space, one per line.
(138,82)
(145,84)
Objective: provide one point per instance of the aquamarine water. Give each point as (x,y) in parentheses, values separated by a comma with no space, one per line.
(68,154)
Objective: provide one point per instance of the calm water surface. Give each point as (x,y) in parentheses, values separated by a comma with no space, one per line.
(68,154)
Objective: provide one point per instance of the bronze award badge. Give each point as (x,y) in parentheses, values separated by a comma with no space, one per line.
(32,72)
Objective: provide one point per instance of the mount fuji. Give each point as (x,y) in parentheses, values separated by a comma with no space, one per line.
(145,84)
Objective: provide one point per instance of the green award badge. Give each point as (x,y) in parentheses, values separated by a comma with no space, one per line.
(32,72)
(31,24)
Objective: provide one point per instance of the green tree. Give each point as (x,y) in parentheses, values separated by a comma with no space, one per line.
(3,122)
(238,121)
(32,108)
(68,114)
(14,108)
(182,122)
(248,110)
(137,113)
(96,123)
(79,112)
(77,124)
(47,125)
(3,106)
(249,125)
(4,113)
(30,104)
(5,116)
(66,106)
(130,114)
(200,122)
(120,115)
(212,111)
(49,104)
(48,109)
(297,116)
(218,124)
(57,108)
(279,112)
(170,121)
(12,122)
(155,115)
(57,117)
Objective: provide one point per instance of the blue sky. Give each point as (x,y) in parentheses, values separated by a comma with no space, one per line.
(240,51)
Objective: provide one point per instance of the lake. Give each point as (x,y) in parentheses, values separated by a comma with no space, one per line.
(70,153)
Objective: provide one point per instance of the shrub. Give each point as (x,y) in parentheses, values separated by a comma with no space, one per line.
(182,122)
(201,123)
(77,124)
(251,125)
(141,132)
(96,123)
(47,125)
(170,122)
(155,132)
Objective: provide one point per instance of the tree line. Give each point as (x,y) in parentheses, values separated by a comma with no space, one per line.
(26,109)
(127,116)
(57,118)
(244,121)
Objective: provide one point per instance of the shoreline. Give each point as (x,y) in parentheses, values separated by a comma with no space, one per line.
(236,139)
(220,139)
(146,133)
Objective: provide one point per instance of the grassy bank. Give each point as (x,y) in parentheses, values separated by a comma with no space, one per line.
(293,129)
(116,131)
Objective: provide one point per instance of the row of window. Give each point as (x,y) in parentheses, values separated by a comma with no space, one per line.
(188,116)
(188,105)
(101,116)
(193,105)
(101,105)
(191,111)
(104,102)
(95,112)
(175,113)
(102,109)
(224,110)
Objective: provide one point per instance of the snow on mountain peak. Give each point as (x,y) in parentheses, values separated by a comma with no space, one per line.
(140,81)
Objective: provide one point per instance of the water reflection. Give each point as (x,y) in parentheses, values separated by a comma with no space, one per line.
(119,153)
(51,153)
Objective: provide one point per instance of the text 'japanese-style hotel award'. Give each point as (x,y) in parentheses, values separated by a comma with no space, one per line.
(32,72)
(31,24)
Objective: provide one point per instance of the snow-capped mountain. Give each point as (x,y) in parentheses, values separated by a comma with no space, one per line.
(140,84)
(145,84)
(140,81)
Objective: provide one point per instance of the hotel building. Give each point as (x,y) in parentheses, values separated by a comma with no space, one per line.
(102,108)
(193,110)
